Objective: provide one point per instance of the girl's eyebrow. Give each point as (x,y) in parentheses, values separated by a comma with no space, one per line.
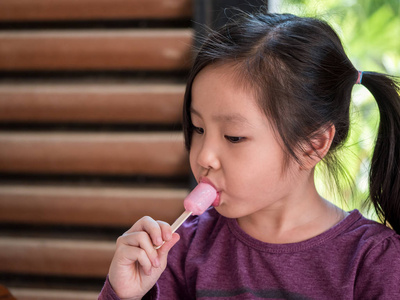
(226,118)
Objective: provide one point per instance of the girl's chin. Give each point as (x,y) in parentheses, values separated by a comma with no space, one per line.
(223,211)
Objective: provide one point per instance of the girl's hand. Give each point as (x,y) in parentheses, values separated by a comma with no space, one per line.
(136,265)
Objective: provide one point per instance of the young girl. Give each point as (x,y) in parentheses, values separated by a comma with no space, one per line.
(267,99)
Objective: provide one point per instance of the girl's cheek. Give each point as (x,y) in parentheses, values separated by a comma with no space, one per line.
(193,160)
(194,149)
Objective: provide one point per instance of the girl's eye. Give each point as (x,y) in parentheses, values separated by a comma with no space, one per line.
(234,139)
(198,130)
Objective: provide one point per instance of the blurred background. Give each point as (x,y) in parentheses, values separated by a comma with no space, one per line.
(90,123)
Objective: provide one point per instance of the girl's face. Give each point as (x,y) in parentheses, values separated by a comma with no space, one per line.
(234,147)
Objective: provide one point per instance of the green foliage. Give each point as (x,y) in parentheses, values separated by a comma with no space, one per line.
(370,32)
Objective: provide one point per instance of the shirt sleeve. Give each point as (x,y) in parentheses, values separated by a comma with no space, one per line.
(107,292)
(378,276)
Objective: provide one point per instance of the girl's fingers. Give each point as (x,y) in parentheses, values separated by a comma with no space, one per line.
(133,250)
(166,231)
(150,226)
(129,255)
(163,251)
(141,240)
(144,235)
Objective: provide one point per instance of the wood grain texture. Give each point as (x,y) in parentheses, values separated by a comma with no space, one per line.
(93,206)
(124,49)
(61,10)
(157,154)
(91,103)
(55,256)
(52,294)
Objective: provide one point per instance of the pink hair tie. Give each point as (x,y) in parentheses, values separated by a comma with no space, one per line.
(359,78)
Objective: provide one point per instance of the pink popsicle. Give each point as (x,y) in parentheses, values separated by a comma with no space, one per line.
(201,198)
(196,203)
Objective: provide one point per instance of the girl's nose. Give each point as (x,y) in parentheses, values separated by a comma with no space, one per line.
(208,157)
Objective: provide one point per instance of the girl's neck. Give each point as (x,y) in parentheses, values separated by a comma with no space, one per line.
(293,222)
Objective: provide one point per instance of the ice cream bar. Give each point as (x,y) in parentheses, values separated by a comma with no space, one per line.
(196,203)
(201,198)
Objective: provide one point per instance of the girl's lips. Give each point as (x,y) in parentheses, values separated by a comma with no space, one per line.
(217,198)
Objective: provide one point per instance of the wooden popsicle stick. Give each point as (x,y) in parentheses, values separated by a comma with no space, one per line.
(178,222)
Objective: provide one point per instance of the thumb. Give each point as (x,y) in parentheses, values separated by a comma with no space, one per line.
(163,251)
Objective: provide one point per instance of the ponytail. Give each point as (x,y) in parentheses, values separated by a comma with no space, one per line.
(384,177)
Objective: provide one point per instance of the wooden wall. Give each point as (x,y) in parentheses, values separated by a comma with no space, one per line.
(90,134)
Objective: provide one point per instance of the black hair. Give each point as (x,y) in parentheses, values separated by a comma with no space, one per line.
(303,79)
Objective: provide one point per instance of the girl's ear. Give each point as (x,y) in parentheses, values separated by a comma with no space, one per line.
(318,148)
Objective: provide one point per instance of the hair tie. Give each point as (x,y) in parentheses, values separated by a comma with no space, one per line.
(359,78)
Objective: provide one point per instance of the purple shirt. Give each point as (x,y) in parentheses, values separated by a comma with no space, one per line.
(216,259)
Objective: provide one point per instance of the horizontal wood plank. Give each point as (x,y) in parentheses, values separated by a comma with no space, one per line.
(94,206)
(157,154)
(62,10)
(42,294)
(90,103)
(55,256)
(162,50)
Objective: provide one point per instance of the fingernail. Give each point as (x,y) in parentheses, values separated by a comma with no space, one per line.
(159,241)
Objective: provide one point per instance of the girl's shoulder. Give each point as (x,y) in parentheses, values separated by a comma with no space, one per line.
(378,260)
(370,234)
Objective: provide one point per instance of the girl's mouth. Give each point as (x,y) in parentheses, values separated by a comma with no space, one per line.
(217,200)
